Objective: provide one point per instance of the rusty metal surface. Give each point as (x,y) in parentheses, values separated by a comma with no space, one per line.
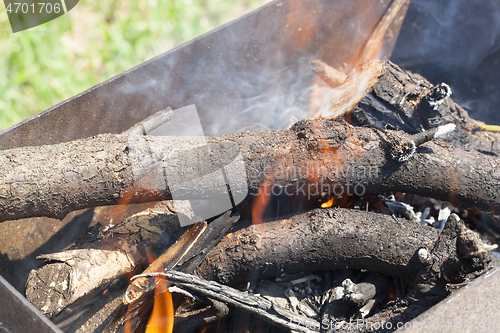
(246,73)
(471,309)
(17,315)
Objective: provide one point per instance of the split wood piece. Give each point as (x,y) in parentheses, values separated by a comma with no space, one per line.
(255,304)
(100,258)
(322,239)
(333,77)
(364,69)
(136,301)
(186,254)
(313,154)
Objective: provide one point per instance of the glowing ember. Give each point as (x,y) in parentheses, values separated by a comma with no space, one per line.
(162,316)
(327,204)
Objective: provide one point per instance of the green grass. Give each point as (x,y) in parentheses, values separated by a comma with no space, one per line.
(96,40)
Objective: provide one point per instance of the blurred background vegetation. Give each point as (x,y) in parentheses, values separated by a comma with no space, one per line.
(47,64)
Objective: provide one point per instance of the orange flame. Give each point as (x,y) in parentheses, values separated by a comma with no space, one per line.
(260,203)
(361,71)
(162,317)
(204,329)
(327,204)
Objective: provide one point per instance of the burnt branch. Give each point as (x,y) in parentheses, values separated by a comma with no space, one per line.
(322,239)
(311,158)
(256,304)
(329,239)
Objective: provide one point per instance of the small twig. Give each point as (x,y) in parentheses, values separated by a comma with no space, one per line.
(150,123)
(404,148)
(256,304)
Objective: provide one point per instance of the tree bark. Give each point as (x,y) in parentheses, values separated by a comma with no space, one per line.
(322,239)
(312,157)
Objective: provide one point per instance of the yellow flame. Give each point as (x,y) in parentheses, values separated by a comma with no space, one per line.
(162,316)
(327,204)
(260,204)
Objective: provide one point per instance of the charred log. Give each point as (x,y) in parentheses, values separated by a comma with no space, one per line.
(322,239)
(455,260)
(455,256)
(313,157)
(340,238)
(406,101)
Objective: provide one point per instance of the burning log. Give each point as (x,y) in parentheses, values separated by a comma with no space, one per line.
(311,158)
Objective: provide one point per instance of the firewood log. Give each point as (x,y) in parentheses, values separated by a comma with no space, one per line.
(311,158)
(321,239)
(330,239)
